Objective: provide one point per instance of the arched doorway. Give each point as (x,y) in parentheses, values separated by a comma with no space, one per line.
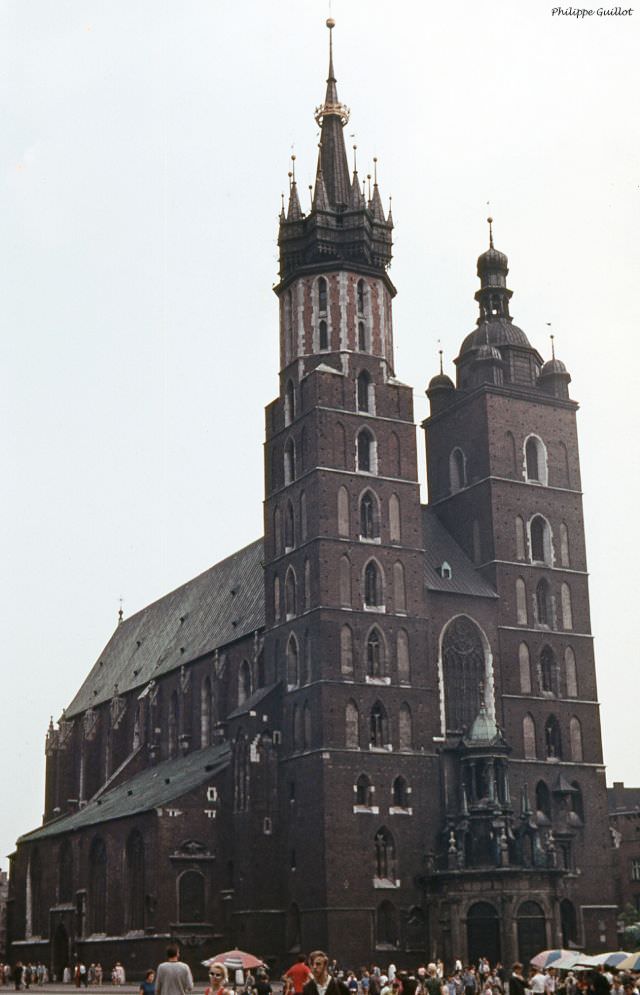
(483,933)
(532,932)
(569,923)
(60,951)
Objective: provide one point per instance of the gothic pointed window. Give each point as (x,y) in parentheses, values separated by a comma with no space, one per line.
(375,654)
(364,792)
(529,737)
(366,452)
(575,739)
(346,651)
(362,337)
(345,581)
(564,545)
(307,584)
(289,462)
(191,897)
(323,335)
(378,726)
(394,518)
(97,897)
(399,588)
(521,602)
(306,726)
(385,852)
(305,668)
(276,598)
(289,403)
(402,654)
(303,516)
(552,739)
(540,540)
(400,793)
(372,585)
(394,466)
(543,803)
(322,295)
(364,389)
(570,673)
(543,608)
(464,668)
(360,297)
(135,881)
(296,728)
(343,512)
(535,460)
(405,728)
(457,470)
(293,662)
(369,516)
(520,544)
(351,726)
(290,594)
(565,602)
(387,930)
(277,531)
(547,670)
(289,527)
(525,668)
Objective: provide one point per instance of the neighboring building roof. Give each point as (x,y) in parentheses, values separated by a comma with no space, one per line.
(621,799)
(252,701)
(220,605)
(441,547)
(151,788)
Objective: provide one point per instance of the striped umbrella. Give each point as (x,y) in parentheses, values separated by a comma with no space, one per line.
(546,958)
(630,963)
(613,958)
(234,959)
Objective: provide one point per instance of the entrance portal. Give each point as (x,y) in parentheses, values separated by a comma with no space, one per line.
(483,933)
(60,952)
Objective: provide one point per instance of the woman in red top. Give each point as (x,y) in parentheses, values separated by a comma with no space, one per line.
(218,979)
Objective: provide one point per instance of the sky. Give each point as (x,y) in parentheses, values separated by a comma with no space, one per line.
(143,151)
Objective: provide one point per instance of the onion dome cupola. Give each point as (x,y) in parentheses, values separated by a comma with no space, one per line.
(497,351)
(441,390)
(345,228)
(554,377)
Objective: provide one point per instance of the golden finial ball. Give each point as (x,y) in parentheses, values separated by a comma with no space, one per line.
(331,23)
(490,220)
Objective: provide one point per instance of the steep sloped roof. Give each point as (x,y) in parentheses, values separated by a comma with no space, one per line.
(220,605)
(252,701)
(441,547)
(151,788)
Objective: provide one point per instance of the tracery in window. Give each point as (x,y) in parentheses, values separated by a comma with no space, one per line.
(369,516)
(346,651)
(525,668)
(364,392)
(529,737)
(290,594)
(464,669)
(351,726)
(364,792)
(375,656)
(293,662)
(366,452)
(378,726)
(373,596)
(385,853)
(405,728)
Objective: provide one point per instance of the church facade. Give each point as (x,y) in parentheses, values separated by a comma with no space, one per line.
(374,730)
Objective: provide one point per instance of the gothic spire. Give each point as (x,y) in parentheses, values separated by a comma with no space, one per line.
(294,212)
(332,117)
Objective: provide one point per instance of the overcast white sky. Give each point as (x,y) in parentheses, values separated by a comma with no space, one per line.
(144,145)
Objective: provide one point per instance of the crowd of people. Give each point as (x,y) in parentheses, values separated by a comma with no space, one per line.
(24,976)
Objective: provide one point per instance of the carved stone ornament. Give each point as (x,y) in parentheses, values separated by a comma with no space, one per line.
(90,723)
(118,707)
(66,731)
(185,679)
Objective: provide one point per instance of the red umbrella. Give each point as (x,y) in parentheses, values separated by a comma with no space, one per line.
(234,959)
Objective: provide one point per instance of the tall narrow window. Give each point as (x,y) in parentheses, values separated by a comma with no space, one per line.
(402,651)
(290,599)
(345,582)
(244,682)
(307,584)
(564,545)
(525,668)
(552,738)
(369,516)
(135,881)
(289,528)
(394,518)
(351,726)
(540,540)
(191,897)
(400,793)
(394,467)
(306,726)
(372,585)
(343,512)
(535,459)
(567,614)
(405,728)
(378,726)
(276,598)
(362,337)
(323,335)
(364,792)
(399,588)
(542,602)
(360,296)
(97,897)
(547,670)
(339,445)
(277,531)
(570,673)
(457,470)
(520,543)
(375,654)
(364,391)
(346,651)
(575,739)
(306,672)
(365,452)
(293,662)
(529,737)
(303,516)
(521,602)
(289,403)
(463,670)
(385,855)
(322,295)
(289,462)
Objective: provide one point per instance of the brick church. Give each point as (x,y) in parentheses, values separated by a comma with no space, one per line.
(374,730)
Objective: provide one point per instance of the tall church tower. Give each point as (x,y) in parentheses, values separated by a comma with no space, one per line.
(343,552)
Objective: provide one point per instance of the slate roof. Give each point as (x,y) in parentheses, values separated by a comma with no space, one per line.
(151,788)
(220,605)
(440,546)
(252,701)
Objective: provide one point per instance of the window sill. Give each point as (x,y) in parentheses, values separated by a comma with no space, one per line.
(398,810)
(366,809)
(380,609)
(373,540)
(377,680)
(381,749)
(385,883)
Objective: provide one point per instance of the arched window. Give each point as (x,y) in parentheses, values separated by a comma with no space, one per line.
(565,601)
(543,606)
(289,527)
(346,651)
(395,467)
(305,670)
(385,851)
(521,602)
(290,593)
(65,872)
(369,516)
(510,453)
(362,337)
(306,726)
(323,335)
(402,653)
(457,470)
(564,545)
(394,518)
(343,512)
(303,516)
(277,531)
(97,897)
(244,682)
(289,461)
(405,728)
(307,584)
(364,792)
(532,931)
(529,737)
(373,597)
(568,924)
(540,540)
(575,738)
(387,932)
(543,803)
(520,543)
(360,297)
(399,588)
(352,726)
(135,881)
(400,793)
(345,582)
(205,712)
(276,598)
(293,662)
(364,392)
(322,295)
(535,458)
(191,900)
(173,724)
(552,739)
(570,673)
(375,655)
(525,668)
(378,726)
(289,403)
(366,452)
(463,670)
(296,727)
(548,670)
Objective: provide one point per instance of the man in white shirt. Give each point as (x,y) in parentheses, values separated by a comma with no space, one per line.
(538,983)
